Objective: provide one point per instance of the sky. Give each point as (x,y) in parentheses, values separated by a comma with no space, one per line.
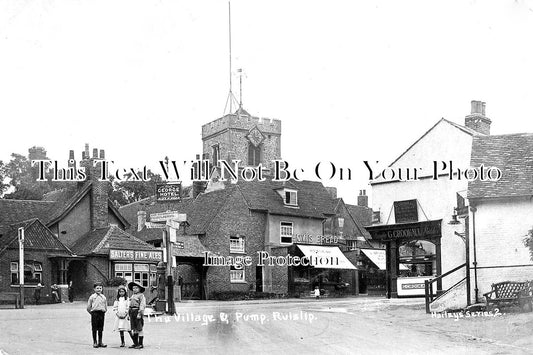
(350,80)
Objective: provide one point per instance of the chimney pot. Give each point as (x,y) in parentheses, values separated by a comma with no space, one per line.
(95,153)
(86,151)
(71,155)
(477,120)
(102,154)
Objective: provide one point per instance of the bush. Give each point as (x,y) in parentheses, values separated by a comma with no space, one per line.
(116,281)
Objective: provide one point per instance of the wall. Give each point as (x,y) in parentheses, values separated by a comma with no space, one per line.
(300,225)
(34,255)
(76,223)
(500,228)
(234,218)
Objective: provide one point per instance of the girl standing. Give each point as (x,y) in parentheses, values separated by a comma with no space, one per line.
(121,308)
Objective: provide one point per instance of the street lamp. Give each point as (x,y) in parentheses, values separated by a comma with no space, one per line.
(21,265)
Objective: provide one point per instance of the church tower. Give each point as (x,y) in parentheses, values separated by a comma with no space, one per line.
(241,136)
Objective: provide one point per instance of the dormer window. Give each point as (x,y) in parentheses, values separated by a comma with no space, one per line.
(291,197)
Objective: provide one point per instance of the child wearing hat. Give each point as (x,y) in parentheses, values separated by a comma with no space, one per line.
(121,309)
(136,312)
(97,306)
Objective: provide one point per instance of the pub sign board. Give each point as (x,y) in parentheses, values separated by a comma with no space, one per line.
(408,231)
(168,192)
(135,255)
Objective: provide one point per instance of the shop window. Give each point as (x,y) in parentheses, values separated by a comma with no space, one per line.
(141,274)
(236,275)
(124,271)
(417,258)
(236,244)
(33,272)
(291,197)
(286,232)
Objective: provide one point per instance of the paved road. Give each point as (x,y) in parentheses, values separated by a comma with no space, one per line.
(344,326)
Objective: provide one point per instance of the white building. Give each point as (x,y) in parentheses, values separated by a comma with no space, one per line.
(414,216)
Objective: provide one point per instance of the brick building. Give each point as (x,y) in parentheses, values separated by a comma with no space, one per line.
(71,234)
(249,218)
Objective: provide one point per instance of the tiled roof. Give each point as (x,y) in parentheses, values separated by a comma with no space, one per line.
(192,247)
(361,214)
(513,155)
(36,237)
(205,208)
(313,199)
(99,241)
(12,211)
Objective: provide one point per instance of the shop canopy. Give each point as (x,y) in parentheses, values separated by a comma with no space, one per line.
(323,257)
(377,256)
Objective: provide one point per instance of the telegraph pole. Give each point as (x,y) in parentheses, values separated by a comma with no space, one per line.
(21,265)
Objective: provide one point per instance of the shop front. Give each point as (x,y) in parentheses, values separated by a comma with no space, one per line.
(412,255)
(136,265)
(323,266)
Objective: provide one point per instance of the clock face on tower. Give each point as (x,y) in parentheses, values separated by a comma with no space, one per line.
(255,136)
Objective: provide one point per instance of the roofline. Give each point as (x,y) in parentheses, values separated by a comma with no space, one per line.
(453,124)
(493,198)
(115,210)
(71,205)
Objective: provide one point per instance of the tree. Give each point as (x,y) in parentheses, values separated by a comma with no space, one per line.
(528,242)
(125,192)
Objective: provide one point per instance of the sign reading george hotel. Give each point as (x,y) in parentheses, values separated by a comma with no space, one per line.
(168,192)
(135,255)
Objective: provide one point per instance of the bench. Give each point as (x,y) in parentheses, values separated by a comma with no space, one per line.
(11,297)
(511,293)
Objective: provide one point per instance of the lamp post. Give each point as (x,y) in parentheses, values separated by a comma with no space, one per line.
(21,265)
(465,238)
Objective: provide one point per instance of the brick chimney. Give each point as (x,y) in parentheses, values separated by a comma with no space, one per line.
(362,199)
(477,119)
(141,220)
(99,191)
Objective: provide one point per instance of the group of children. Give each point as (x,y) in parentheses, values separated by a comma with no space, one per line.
(128,311)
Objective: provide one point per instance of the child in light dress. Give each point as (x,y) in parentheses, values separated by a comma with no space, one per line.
(121,308)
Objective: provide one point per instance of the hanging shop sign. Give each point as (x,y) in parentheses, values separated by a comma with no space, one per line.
(418,230)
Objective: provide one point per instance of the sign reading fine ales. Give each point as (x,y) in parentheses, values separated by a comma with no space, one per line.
(168,192)
(135,255)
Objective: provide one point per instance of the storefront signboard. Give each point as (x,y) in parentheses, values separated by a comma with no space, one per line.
(135,255)
(165,216)
(419,230)
(413,286)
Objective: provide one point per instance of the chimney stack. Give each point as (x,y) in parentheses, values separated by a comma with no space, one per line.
(141,220)
(99,193)
(477,119)
(362,199)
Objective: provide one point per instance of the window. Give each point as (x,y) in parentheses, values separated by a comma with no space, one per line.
(236,275)
(236,244)
(33,272)
(216,154)
(141,274)
(286,232)
(351,244)
(291,197)
(254,155)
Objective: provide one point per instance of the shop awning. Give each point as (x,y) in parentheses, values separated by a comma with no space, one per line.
(326,257)
(377,256)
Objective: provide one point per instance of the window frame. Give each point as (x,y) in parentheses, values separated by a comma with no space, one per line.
(290,202)
(282,235)
(234,271)
(241,240)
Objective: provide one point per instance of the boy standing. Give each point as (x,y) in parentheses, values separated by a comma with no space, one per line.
(97,306)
